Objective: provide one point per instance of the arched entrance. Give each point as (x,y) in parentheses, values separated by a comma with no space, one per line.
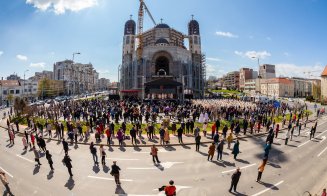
(162,66)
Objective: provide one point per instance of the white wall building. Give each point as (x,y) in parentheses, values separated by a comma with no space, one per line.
(78,78)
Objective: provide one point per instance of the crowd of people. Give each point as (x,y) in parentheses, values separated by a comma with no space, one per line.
(80,118)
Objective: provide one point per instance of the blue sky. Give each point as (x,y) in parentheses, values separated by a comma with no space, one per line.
(289,33)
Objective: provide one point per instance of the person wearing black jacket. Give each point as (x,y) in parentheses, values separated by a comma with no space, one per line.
(42,144)
(67,162)
(115,172)
(94,154)
(65,146)
(235,178)
(133,135)
(180,135)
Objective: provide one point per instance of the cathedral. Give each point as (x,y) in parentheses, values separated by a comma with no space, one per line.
(166,69)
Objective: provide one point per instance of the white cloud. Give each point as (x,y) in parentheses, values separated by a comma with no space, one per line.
(213,70)
(21,57)
(226,34)
(61,6)
(309,71)
(1,53)
(37,65)
(213,59)
(253,54)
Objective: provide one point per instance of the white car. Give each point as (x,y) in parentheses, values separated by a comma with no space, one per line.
(290,100)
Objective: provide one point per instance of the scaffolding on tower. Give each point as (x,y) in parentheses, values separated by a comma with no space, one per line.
(204,72)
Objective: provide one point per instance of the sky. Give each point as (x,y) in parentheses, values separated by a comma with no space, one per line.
(292,34)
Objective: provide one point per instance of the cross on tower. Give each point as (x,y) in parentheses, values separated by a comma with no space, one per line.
(131,16)
(192,17)
(161,20)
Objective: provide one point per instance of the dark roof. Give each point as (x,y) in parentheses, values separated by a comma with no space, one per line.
(163,81)
(130,27)
(162,26)
(162,41)
(193,28)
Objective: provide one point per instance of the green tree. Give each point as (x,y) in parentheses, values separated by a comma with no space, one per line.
(19,105)
(45,89)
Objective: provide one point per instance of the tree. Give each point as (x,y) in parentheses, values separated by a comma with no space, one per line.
(10,98)
(19,105)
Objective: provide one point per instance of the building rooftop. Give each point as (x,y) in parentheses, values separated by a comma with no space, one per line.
(9,83)
(324,73)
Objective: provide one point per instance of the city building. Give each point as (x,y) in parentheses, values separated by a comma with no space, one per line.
(324,86)
(13,77)
(50,88)
(29,88)
(103,84)
(246,74)
(163,68)
(302,87)
(316,89)
(44,74)
(78,78)
(277,87)
(252,86)
(231,80)
(267,71)
(9,89)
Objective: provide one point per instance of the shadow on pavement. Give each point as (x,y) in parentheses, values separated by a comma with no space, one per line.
(219,163)
(170,148)
(242,161)
(119,190)
(138,149)
(268,185)
(70,183)
(238,194)
(105,169)
(50,175)
(36,169)
(229,164)
(274,165)
(110,149)
(122,148)
(96,169)
(75,146)
(160,167)
(24,152)
(185,146)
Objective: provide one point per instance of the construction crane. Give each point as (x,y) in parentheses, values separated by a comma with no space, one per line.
(143,8)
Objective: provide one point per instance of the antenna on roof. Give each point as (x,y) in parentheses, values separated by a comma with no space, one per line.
(161,20)
(131,16)
(192,17)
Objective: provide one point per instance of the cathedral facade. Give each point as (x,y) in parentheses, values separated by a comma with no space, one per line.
(166,68)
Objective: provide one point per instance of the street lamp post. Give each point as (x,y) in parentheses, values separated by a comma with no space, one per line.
(259,76)
(118,84)
(74,54)
(24,83)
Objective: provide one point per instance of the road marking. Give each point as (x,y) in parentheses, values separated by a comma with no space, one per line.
(322,139)
(223,172)
(7,172)
(321,133)
(267,189)
(165,165)
(178,189)
(121,159)
(321,152)
(148,152)
(303,143)
(25,158)
(141,168)
(111,179)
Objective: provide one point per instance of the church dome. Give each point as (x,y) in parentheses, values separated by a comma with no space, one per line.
(162,41)
(193,28)
(162,26)
(130,27)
